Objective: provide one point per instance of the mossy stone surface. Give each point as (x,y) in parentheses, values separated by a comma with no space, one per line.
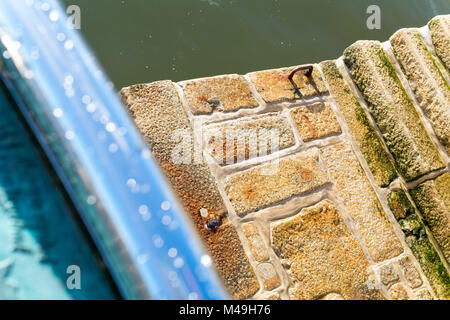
(359,125)
(420,245)
(427,82)
(392,110)
(439,29)
(432,197)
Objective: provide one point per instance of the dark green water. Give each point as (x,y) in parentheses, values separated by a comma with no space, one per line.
(147,40)
(40,232)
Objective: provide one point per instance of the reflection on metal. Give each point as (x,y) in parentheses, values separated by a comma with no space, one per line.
(100,156)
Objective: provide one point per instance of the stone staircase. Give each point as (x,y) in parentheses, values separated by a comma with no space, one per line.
(332,184)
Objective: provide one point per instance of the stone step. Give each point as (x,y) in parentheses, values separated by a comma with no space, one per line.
(222,93)
(392,109)
(432,197)
(321,256)
(158,113)
(249,137)
(361,202)
(359,125)
(420,245)
(426,80)
(313,221)
(274,85)
(272,183)
(440,36)
(315,121)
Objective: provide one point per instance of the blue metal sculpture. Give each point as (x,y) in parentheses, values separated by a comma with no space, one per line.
(149,245)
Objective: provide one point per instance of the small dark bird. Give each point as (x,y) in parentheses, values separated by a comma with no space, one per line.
(214,223)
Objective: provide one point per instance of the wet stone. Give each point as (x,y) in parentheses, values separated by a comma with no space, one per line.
(366,211)
(359,125)
(322,255)
(274,85)
(392,110)
(223,93)
(315,121)
(237,140)
(426,80)
(271,183)
(158,113)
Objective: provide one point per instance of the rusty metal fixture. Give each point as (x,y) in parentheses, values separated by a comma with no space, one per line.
(308,73)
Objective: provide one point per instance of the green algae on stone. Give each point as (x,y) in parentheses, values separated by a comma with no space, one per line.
(432,197)
(392,110)
(427,82)
(400,205)
(417,240)
(439,29)
(359,125)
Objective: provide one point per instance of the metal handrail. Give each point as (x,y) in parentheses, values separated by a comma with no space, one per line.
(100,157)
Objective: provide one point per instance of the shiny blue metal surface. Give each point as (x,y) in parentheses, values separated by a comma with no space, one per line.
(41,236)
(148,243)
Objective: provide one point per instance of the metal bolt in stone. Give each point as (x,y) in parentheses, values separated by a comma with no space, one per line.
(308,73)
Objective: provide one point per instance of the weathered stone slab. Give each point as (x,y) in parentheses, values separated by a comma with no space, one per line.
(223,93)
(440,36)
(426,80)
(232,263)
(157,111)
(269,276)
(269,184)
(237,140)
(423,294)
(421,247)
(362,203)
(388,274)
(359,126)
(322,255)
(255,242)
(315,121)
(433,200)
(392,109)
(410,273)
(398,292)
(274,85)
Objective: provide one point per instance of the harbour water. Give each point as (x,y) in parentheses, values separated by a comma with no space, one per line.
(146,40)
